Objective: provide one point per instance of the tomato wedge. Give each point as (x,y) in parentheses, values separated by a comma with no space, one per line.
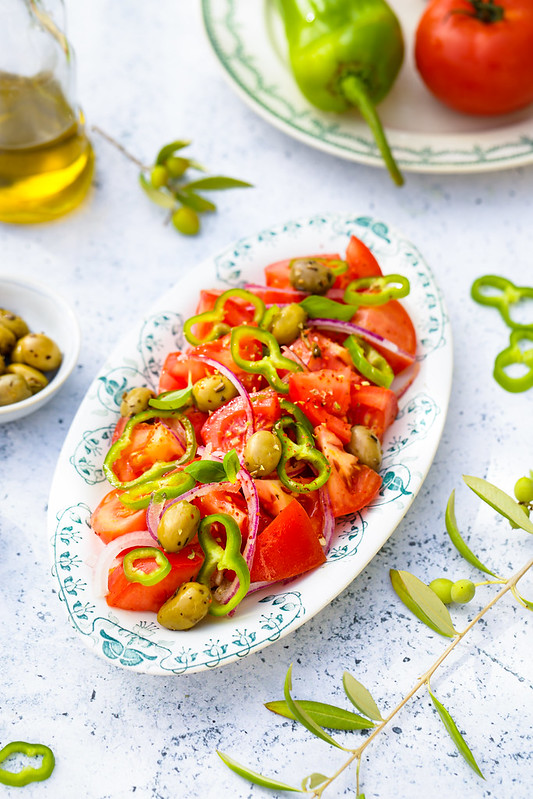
(391,321)
(287,547)
(111,519)
(226,428)
(148,444)
(373,406)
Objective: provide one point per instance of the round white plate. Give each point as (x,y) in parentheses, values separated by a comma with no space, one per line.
(135,640)
(424,135)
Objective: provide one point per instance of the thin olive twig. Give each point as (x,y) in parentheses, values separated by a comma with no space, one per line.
(119,146)
(357,753)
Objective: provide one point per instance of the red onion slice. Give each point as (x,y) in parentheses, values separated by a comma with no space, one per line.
(226,591)
(327,513)
(232,377)
(109,554)
(349,328)
(177,433)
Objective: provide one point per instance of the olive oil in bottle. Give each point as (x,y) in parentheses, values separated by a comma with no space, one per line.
(46,159)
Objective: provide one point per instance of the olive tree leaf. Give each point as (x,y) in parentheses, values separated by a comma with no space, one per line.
(423,602)
(158,196)
(194,201)
(523,601)
(455,735)
(456,539)
(216,183)
(303,717)
(253,776)
(169,149)
(500,501)
(313,780)
(335,718)
(360,697)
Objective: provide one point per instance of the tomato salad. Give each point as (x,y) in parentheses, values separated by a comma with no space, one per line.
(266,428)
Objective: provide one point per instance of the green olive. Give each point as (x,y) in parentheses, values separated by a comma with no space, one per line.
(307,274)
(178,525)
(158,176)
(2,364)
(366,447)
(523,490)
(462,591)
(188,606)
(13,388)
(212,392)
(443,588)
(186,221)
(177,166)
(15,323)
(35,379)
(7,340)
(37,350)
(262,453)
(135,401)
(288,323)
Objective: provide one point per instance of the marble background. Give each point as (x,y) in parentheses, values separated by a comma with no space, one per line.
(146,75)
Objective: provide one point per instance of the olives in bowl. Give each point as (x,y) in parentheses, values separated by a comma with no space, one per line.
(39,346)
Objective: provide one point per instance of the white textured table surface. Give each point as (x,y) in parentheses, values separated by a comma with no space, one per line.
(146,75)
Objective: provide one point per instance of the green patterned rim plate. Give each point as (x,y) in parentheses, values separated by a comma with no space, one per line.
(135,640)
(425,136)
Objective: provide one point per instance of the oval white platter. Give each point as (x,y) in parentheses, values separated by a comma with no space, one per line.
(425,136)
(135,640)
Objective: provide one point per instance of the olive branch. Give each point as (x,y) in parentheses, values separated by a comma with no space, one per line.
(429,604)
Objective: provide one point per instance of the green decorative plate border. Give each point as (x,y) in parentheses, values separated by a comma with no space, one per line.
(246,41)
(134,640)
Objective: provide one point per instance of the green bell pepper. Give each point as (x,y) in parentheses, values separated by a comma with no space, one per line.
(218,557)
(346,53)
(27,774)
(303,449)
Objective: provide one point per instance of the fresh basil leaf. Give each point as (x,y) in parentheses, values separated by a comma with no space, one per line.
(169,149)
(313,780)
(216,183)
(456,539)
(232,465)
(323,308)
(159,196)
(206,471)
(455,735)
(335,718)
(423,602)
(523,601)
(500,501)
(172,400)
(194,201)
(360,697)
(303,717)
(253,776)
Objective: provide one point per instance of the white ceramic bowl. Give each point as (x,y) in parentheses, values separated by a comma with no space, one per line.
(44,312)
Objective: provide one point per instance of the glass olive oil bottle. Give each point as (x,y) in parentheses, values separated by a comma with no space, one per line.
(46,159)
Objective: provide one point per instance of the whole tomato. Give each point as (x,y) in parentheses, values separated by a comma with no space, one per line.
(476,56)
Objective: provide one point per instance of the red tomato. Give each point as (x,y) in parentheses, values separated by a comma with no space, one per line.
(225,429)
(119,428)
(111,518)
(324,397)
(361,262)
(287,547)
(318,351)
(351,485)
(236,311)
(177,369)
(374,406)
(233,505)
(391,321)
(274,296)
(277,274)
(148,444)
(273,497)
(185,565)
(477,57)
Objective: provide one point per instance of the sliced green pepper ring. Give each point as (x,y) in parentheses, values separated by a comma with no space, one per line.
(507,295)
(369,362)
(228,557)
(269,364)
(303,449)
(27,774)
(170,486)
(136,575)
(514,355)
(216,315)
(160,467)
(376,290)
(299,415)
